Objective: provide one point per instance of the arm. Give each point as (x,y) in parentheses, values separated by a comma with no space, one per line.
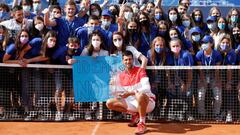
(83,11)
(158,3)
(37,59)
(24,51)
(144,61)
(15,3)
(103,5)
(47,21)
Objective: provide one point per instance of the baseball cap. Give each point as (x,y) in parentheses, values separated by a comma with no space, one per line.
(207,39)
(107,12)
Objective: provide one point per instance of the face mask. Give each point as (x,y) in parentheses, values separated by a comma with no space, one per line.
(96,13)
(196,38)
(4,15)
(128,15)
(132,30)
(224,47)
(135,10)
(221,26)
(176,49)
(36,7)
(1,37)
(39,27)
(105,23)
(118,43)
(90,30)
(96,44)
(149,11)
(159,50)
(26,8)
(144,23)
(50,44)
(186,23)
(198,19)
(205,46)
(23,40)
(57,16)
(212,26)
(173,18)
(72,52)
(162,33)
(236,37)
(158,17)
(234,19)
(174,36)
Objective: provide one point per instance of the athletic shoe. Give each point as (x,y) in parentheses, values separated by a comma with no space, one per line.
(58,116)
(229,118)
(88,115)
(141,128)
(134,121)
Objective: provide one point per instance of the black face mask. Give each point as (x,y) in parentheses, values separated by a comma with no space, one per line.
(132,31)
(72,52)
(236,37)
(114,12)
(145,23)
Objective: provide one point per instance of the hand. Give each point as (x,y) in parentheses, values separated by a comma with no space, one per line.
(45,11)
(184,87)
(22,62)
(71,61)
(120,21)
(126,94)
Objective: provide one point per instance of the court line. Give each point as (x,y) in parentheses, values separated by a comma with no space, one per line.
(95,129)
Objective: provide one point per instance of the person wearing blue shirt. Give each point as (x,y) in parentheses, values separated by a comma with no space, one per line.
(83,33)
(65,27)
(148,33)
(106,19)
(229,58)
(209,57)
(179,81)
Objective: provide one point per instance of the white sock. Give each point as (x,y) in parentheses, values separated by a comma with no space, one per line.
(143,119)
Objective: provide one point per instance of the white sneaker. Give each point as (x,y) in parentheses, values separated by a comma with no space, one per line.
(88,115)
(229,118)
(58,116)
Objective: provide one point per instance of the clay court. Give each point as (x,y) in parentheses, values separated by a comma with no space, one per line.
(113,128)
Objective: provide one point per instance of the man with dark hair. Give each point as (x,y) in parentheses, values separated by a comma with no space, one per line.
(133,93)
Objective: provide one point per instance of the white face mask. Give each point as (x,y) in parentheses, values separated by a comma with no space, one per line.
(39,26)
(96,13)
(26,8)
(96,44)
(173,18)
(176,50)
(24,40)
(205,46)
(128,15)
(118,43)
(196,38)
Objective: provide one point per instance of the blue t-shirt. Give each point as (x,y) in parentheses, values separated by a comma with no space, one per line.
(230,58)
(146,40)
(185,59)
(213,59)
(65,29)
(83,36)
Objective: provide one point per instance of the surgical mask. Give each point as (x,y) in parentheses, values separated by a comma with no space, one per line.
(36,7)
(4,15)
(173,18)
(118,43)
(159,50)
(128,15)
(96,44)
(90,29)
(198,19)
(162,33)
(158,17)
(212,26)
(221,26)
(39,27)
(234,19)
(174,36)
(135,10)
(106,23)
(23,40)
(96,13)
(196,38)
(224,47)
(26,8)
(205,46)
(176,49)
(1,37)
(186,23)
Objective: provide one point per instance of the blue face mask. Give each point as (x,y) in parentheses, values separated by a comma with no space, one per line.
(186,23)
(234,19)
(224,47)
(221,26)
(162,33)
(158,17)
(205,46)
(4,15)
(196,38)
(159,50)
(1,37)
(36,7)
(197,19)
(212,26)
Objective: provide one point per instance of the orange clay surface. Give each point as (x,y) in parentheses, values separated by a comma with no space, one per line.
(113,128)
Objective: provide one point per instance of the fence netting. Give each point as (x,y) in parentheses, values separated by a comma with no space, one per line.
(202,94)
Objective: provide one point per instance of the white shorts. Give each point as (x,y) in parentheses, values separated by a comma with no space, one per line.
(132,104)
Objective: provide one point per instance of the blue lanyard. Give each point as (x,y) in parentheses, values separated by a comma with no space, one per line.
(146,39)
(205,60)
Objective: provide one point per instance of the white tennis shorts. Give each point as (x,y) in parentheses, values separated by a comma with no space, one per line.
(132,104)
